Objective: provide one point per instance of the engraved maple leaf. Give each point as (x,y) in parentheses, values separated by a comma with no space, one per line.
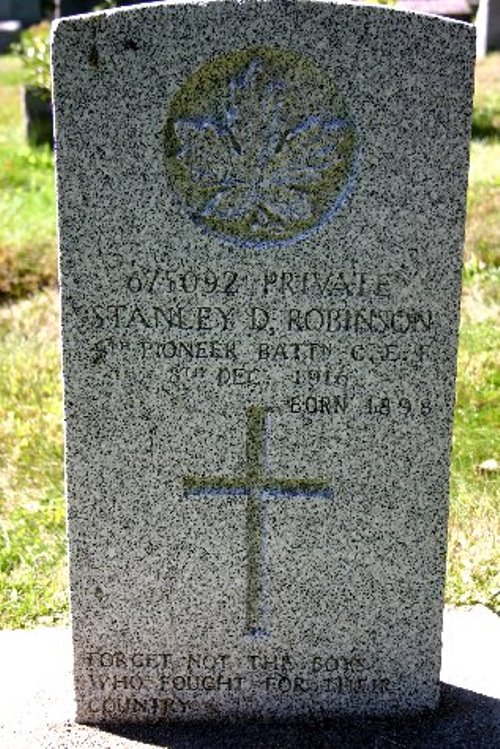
(253,164)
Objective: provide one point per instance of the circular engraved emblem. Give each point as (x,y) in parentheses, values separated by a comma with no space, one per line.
(260,147)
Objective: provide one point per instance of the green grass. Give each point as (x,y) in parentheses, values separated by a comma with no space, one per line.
(33,588)
(486,116)
(482,240)
(32,538)
(473,574)
(27,205)
(474,531)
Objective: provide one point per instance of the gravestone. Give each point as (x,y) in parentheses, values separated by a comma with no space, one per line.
(13,16)
(460,10)
(261,214)
(10,32)
(27,11)
(488,27)
(75,7)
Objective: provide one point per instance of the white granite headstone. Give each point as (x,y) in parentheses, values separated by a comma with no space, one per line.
(261,212)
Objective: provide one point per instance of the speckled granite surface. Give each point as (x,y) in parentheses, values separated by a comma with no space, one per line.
(261,211)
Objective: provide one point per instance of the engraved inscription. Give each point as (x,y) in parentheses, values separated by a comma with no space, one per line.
(167,318)
(164,280)
(329,320)
(161,684)
(150,707)
(203,327)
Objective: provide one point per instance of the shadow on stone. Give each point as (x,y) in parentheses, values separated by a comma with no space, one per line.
(463,719)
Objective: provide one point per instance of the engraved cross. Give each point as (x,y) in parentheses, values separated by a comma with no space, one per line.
(257,487)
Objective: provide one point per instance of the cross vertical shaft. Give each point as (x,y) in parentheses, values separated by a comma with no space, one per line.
(255,520)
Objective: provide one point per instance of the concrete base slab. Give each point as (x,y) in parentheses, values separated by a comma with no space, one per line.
(37,709)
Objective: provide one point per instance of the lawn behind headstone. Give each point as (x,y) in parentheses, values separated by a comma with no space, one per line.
(32,541)
(27,225)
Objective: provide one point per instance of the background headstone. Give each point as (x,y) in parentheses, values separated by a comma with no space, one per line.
(261,212)
(488,27)
(74,7)
(26,11)
(10,32)
(460,10)
(37,116)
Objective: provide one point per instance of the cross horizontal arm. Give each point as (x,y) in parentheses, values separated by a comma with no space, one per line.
(241,485)
(299,487)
